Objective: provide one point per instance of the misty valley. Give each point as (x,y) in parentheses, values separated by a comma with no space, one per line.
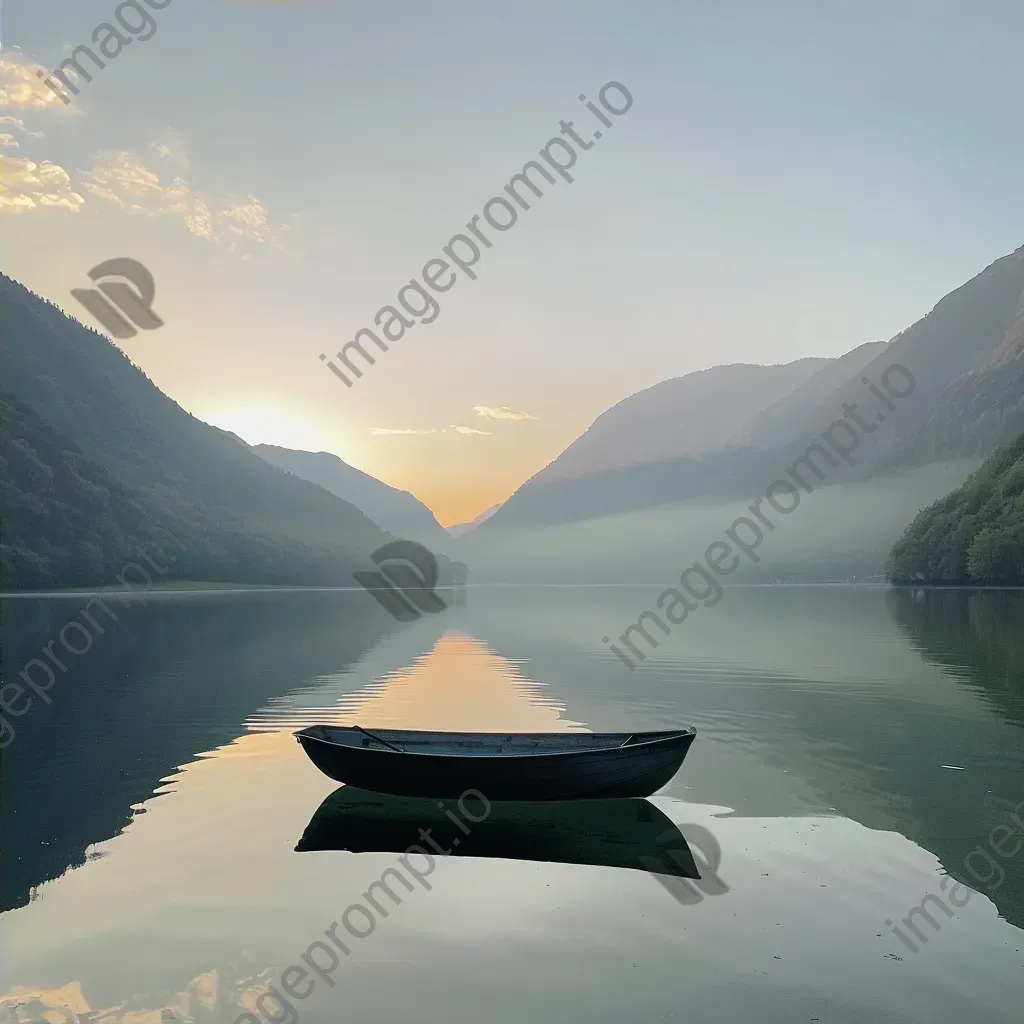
(642,640)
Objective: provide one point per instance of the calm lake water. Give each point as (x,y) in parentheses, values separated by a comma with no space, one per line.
(854,747)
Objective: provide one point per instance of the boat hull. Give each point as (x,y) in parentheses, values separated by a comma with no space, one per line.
(588,772)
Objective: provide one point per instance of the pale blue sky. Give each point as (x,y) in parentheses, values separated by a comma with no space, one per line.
(794,178)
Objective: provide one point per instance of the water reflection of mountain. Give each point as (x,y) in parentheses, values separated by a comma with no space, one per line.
(977,633)
(162,684)
(979,637)
(806,702)
(809,701)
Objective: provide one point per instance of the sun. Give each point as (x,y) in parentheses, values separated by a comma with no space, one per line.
(266,424)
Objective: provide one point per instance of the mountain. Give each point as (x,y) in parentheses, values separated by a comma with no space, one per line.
(684,416)
(65,518)
(69,786)
(780,421)
(975,534)
(962,398)
(667,443)
(398,512)
(461,528)
(99,462)
(979,411)
(963,358)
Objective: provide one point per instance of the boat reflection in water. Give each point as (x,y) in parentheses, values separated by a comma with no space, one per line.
(622,833)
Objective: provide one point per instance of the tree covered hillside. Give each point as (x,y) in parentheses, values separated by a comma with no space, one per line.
(974,535)
(98,462)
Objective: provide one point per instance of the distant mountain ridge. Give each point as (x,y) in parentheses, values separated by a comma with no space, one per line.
(397,511)
(683,417)
(966,360)
(96,458)
(76,510)
(778,423)
(460,528)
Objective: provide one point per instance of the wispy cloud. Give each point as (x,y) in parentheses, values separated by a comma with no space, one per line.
(7,121)
(501,412)
(123,178)
(388,431)
(169,146)
(241,223)
(453,428)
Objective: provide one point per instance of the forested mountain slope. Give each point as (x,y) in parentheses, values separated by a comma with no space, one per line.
(104,456)
(975,534)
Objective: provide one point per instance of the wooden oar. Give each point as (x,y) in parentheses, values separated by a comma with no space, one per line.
(397,750)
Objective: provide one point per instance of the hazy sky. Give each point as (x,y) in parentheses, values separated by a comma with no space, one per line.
(793,179)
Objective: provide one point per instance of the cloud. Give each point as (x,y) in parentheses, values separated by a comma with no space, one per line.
(501,412)
(170,147)
(26,185)
(8,141)
(249,219)
(123,178)
(452,429)
(21,88)
(16,122)
(199,222)
(387,431)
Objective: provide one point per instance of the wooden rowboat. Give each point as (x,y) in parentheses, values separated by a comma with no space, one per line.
(502,766)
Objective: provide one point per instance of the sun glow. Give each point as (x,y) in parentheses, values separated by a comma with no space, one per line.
(265,424)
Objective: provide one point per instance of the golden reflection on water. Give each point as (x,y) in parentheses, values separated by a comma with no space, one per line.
(459,685)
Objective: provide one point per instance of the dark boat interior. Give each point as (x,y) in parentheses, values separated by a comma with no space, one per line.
(481,743)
